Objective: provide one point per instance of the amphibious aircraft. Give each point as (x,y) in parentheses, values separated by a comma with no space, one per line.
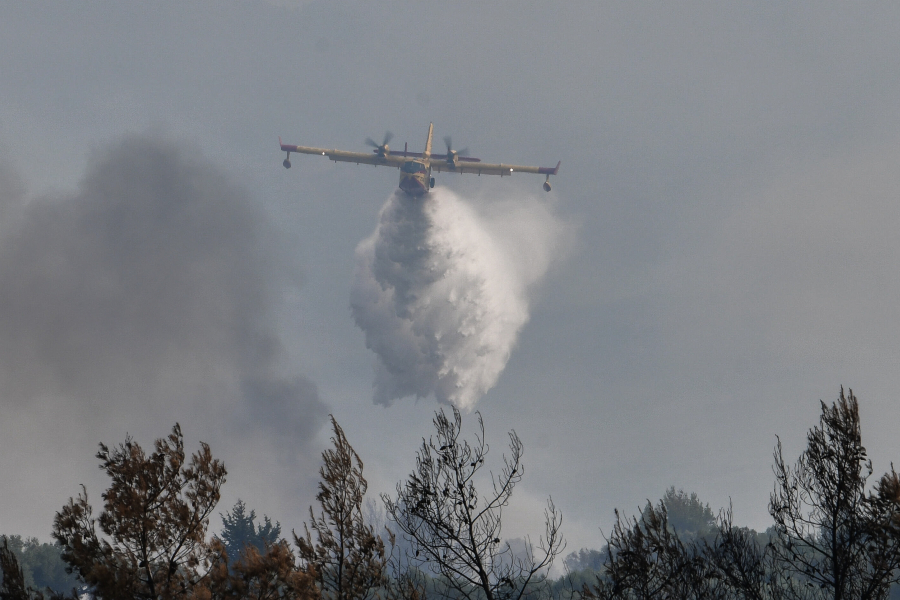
(416,167)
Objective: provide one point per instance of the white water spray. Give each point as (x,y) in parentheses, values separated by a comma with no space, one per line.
(441,292)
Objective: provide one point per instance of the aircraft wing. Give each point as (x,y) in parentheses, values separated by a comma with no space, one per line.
(489,169)
(405,154)
(360,158)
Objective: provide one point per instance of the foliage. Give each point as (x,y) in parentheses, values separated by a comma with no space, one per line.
(684,514)
(585,559)
(41,564)
(835,535)
(240,531)
(14,586)
(646,559)
(455,532)
(268,575)
(687,515)
(156,512)
(745,564)
(348,559)
(831,538)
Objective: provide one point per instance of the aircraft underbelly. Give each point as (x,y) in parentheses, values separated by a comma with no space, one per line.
(412,185)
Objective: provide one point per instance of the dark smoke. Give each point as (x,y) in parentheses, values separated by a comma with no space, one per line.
(148,290)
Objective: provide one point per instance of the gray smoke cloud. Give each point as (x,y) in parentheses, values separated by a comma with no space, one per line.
(149,289)
(442,291)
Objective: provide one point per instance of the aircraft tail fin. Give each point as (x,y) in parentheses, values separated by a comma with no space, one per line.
(427,152)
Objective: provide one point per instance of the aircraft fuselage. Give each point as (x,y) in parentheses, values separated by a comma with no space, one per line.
(415,177)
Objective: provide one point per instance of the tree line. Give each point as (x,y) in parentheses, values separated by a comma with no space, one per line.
(835,534)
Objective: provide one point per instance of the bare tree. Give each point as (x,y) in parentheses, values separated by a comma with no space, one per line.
(347,557)
(747,568)
(402,581)
(156,512)
(455,532)
(833,536)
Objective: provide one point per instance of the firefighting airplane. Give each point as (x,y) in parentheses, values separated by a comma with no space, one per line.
(415,167)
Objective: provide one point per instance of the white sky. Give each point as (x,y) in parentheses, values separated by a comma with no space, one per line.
(731,170)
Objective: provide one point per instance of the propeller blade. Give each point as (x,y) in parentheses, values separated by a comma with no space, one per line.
(449,143)
(388,136)
(463,151)
(371,142)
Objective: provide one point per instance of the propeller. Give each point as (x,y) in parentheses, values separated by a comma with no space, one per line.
(450,151)
(382,148)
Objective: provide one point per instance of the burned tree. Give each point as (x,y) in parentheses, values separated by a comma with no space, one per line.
(646,558)
(270,574)
(455,532)
(832,538)
(152,540)
(347,557)
(832,534)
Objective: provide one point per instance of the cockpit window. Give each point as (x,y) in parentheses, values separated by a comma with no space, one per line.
(413,167)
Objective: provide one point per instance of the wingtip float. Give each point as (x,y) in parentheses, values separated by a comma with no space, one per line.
(416,167)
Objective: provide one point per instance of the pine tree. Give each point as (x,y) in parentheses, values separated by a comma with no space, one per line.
(347,556)
(833,535)
(152,541)
(240,531)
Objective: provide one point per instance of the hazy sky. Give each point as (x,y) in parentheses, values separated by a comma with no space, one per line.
(727,206)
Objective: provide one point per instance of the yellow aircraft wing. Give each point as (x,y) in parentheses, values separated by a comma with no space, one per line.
(479,168)
(360,158)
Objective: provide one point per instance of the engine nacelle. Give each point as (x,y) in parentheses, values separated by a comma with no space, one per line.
(547,186)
